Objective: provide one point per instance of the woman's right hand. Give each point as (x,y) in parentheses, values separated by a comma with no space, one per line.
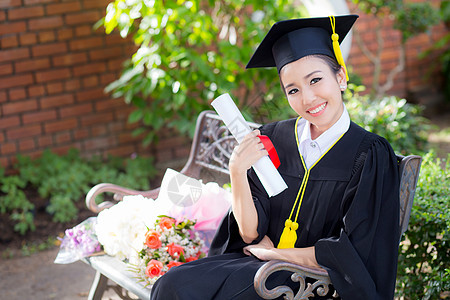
(248,152)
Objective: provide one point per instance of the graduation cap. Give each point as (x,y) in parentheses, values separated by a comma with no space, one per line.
(290,40)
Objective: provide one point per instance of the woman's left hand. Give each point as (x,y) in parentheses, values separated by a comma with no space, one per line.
(264,250)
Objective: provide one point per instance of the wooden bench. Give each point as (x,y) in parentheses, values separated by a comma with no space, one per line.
(208,160)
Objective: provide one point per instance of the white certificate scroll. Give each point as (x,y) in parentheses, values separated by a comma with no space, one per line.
(235,122)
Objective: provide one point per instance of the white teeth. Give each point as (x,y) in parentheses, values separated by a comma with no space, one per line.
(318,109)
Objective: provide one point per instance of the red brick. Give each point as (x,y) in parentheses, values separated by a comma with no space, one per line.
(49,49)
(60,8)
(102,118)
(8,122)
(56,101)
(89,17)
(62,150)
(46,76)
(16,80)
(115,39)
(69,59)
(99,143)
(122,151)
(72,85)
(83,30)
(28,39)
(9,42)
(38,117)
(45,23)
(6,69)
(128,138)
(54,88)
(76,110)
(88,95)
(23,132)
(86,43)
(27,2)
(26,144)
(8,148)
(91,81)
(20,106)
(5,162)
(96,4)
(62,138)
(98,130)
(109,104)
(17,94)
(45,141)
(2,137)
(2,15)
(116,64)
(62,125)
(32,65)
(107,78)
(9,3)
(36,90)
(12,27)
(46,36)
(107,53)
(93,68)
(81,133)
(14,54)
(65,34)
(3,97)
(25,12)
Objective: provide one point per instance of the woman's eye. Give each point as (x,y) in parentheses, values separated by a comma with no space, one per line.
(293,91)
(315,80)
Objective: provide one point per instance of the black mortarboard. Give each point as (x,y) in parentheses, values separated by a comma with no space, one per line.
(290,40)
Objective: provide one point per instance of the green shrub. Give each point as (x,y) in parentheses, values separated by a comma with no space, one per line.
(393,118)
(63,180)
(424,256)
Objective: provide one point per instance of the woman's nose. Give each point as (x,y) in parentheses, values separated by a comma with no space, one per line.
(308,96)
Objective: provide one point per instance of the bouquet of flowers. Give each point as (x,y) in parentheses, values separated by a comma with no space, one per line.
(78,242)
(168,244)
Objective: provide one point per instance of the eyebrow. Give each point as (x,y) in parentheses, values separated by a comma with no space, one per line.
(305,77)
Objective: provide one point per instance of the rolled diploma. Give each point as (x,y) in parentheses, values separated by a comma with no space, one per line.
(267,173)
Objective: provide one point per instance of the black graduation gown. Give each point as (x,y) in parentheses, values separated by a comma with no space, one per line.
(349,212)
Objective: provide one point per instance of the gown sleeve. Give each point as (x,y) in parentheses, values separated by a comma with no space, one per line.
(227,238)
(362,260)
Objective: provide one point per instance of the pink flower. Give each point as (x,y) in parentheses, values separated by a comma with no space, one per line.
(174,264)
(154,268)
(174,249)
(166,222)
(152,239)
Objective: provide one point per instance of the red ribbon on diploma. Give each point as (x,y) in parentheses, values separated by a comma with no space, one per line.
(271,149)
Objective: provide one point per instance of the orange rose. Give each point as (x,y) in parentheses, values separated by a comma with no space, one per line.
(154,268)
(165,222)
(174,249)
(174,264)
(152,239)
(192,258)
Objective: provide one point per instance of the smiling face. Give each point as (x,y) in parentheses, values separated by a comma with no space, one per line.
(313,90)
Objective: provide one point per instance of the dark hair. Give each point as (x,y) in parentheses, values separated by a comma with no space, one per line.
(330,61)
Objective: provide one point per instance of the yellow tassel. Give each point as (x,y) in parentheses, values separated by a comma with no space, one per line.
(283,243)
(336,48)
(292,236)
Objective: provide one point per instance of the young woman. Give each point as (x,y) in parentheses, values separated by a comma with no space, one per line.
(340,211)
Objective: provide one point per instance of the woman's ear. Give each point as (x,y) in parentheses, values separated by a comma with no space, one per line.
(341,79)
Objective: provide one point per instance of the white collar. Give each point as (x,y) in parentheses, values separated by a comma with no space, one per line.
(328,137)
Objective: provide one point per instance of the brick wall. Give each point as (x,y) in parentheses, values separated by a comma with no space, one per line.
(417,76)
(53,69)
